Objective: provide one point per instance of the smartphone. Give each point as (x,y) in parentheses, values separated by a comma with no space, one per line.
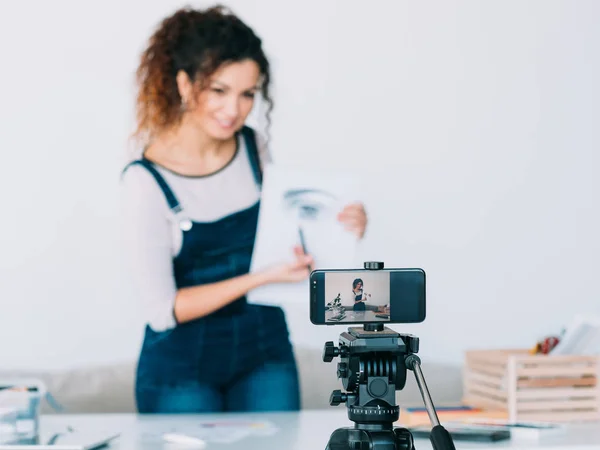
(352,296)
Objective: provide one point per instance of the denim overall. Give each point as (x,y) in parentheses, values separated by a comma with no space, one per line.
(360,306)
(238,358)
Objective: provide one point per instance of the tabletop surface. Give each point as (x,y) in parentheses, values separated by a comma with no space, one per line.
(357,316)
(302,430)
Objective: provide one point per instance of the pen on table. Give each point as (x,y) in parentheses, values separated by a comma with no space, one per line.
(303,244)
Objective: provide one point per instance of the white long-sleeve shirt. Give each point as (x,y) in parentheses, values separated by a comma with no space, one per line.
(153,236)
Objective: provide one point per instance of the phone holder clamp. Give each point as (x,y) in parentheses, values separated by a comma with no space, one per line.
(373,265)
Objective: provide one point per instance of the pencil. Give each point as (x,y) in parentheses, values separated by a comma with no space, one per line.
(303,244)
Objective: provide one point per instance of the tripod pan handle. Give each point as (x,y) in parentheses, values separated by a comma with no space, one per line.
(441,439)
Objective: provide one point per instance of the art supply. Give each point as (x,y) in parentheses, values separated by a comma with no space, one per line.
(465,433)
(205,433)
(417,415)
(303,244)
(183,439)
(581,337)
(23,396)
(68,439)
(8,424)
(521,430)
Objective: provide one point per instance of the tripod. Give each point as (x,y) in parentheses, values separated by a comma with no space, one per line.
(373,367)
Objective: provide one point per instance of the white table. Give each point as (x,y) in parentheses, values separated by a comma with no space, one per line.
(301,431)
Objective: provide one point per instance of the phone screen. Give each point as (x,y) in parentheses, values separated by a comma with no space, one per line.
(367,296)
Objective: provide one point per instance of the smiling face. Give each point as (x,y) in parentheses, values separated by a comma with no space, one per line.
(222,107)
(357,286)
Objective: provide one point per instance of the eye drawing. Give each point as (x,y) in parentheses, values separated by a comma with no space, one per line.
(308,203)
(308,211)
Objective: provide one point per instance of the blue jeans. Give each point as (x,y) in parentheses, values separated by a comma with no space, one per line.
(271,387)
(360,306)
(242,362)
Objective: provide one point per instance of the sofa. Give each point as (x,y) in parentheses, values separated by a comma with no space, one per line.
(109,388)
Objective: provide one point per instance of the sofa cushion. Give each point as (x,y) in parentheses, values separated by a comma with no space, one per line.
(110,388)
(90,389)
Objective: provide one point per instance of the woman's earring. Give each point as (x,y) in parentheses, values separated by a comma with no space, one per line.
(183,106)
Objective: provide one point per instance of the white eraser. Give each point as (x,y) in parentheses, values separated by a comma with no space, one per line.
(183,439)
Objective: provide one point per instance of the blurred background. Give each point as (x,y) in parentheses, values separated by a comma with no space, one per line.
(475,124)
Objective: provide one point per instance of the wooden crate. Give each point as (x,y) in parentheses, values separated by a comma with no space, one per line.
(533,387)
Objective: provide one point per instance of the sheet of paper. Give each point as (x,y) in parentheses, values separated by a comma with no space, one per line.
(224,431)
(296,199)
(582,337)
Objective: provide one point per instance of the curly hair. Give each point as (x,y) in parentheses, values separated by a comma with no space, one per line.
(197,42)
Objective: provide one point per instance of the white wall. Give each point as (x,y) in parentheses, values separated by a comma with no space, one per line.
(476,121)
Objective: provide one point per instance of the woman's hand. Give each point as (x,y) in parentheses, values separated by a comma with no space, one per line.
(354,218)
(295,271)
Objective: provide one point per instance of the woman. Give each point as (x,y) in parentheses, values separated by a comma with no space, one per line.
(359,295)
(191,208)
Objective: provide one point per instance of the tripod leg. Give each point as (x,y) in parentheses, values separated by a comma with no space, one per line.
(414,363)
(439,437)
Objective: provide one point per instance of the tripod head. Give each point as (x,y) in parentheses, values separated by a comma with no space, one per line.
(372,368)
(373,365)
